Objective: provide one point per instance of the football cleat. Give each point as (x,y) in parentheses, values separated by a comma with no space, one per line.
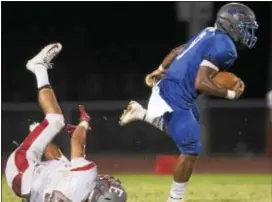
(44,57)
(84,116)
(133,112)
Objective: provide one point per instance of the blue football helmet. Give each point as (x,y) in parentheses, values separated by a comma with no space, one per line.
(239,22)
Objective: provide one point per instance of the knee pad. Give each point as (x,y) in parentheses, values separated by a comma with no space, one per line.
(56,120)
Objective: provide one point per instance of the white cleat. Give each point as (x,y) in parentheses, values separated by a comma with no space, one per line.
(44,57)
(133,112)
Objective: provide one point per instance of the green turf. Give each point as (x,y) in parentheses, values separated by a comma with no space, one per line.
(202,188)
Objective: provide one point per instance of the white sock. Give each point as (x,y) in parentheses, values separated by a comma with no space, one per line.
(84,124)
(177,191)
(41,75)
(156,122)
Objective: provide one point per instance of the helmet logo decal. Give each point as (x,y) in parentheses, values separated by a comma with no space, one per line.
(234,11)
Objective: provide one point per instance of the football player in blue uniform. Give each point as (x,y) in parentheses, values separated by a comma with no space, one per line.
(185,73)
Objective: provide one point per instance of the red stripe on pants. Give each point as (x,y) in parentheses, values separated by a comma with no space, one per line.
(21,161)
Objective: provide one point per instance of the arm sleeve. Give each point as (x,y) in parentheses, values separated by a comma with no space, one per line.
(81,164)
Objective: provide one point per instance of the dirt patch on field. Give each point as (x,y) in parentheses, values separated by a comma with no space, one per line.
(148,164)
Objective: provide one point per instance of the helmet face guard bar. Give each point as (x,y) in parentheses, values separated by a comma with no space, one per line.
(239,22)
(107,188)
(247,33)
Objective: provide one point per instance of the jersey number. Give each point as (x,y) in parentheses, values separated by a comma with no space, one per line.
(197,39)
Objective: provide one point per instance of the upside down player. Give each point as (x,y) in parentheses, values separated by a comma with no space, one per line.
(185,73)
(57,179)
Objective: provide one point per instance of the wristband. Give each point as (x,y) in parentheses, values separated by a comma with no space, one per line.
(161,69)
(84,124)
(231,95)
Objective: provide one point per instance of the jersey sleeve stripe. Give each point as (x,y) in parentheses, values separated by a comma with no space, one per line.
(84,168)
(207,63)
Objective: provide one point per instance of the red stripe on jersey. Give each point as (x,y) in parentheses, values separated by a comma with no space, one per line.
(84,168)
(21,161)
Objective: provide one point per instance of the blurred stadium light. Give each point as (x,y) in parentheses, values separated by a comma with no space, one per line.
(186,11)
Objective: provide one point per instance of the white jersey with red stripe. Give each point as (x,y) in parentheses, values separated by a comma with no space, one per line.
(75,180)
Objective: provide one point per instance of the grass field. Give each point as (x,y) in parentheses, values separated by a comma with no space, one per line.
(202,188)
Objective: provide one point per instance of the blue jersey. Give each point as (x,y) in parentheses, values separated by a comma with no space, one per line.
(210,46)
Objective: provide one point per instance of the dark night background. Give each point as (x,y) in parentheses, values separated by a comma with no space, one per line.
(108,48)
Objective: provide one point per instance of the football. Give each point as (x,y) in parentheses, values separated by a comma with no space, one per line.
(226,80)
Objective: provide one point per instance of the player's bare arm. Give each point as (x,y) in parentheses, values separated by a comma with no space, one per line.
(205,84)
(79,133)
(171,56)
(157,74)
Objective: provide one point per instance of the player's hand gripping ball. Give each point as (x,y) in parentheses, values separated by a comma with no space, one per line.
(229,81)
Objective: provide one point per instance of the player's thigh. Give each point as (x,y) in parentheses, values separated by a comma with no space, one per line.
(11,170)
(185,131)
(196,112)
(36,142)
(19,173)
(25,154)
(30,152)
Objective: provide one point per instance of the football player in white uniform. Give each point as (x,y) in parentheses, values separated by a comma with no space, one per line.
(56,179)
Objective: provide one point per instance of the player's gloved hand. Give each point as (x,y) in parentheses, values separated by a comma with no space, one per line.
(239,88)
(154,77)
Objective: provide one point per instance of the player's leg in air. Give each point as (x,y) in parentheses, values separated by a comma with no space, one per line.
(52,151)
(21,163)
